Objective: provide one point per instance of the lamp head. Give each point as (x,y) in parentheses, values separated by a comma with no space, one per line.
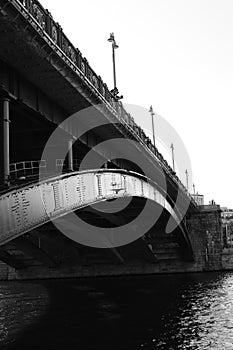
(114,91)
(151,110)
(119,97)
(111,39)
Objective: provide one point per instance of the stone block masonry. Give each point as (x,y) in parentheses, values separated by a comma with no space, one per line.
(206,236)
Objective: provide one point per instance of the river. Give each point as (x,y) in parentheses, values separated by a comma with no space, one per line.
(189,311)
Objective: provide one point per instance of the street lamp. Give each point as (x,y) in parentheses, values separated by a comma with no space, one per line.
(194,189)
(152,118)
(114,91)
(173,160)
(187,179)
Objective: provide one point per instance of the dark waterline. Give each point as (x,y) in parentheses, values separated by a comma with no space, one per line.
(192,311)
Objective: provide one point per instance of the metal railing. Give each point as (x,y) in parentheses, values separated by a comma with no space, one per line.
(30,169)
(27,169)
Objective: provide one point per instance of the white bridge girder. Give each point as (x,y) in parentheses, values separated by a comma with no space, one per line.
(24,209)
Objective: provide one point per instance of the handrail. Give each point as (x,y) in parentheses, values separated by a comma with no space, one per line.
(32,168)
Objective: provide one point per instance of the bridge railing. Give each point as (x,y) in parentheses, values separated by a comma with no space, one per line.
(53,29)
(43,21)
(27,169)
(32,168)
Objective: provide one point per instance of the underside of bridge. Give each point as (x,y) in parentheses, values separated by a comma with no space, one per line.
(45,252)
(41,84)
(127,214)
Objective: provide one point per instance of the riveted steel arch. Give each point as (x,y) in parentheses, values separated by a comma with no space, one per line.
(23,209)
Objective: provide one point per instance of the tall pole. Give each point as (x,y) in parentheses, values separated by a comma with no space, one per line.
(114,46)
(114,65)
(187,179)
(5,135)
(173,159)
(194,189)
(152,118)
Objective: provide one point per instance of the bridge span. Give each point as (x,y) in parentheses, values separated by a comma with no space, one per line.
(26,208)
(44,79)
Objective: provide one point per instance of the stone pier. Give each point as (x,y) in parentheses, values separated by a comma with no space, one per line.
(205,230)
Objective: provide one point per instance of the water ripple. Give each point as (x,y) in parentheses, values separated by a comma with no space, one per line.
(175,312)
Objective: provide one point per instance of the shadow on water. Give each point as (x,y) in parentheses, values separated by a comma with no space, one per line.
(149,312)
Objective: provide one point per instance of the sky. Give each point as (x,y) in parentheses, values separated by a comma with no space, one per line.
(176,55)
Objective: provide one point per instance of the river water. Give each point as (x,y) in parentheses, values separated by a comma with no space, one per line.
(191,311)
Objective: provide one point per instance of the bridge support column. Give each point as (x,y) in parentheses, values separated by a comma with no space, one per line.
(70,155)
(5,140)
(205,231)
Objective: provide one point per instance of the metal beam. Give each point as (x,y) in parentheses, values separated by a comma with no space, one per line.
(113,219)
(118,256)
(5,137)
(114,253)
(138,249)
(32,250)
(10,260)
(55,197)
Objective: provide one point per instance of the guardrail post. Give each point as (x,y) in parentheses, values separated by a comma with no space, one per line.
(5,140)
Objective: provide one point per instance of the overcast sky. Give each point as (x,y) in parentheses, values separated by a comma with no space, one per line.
(176,55)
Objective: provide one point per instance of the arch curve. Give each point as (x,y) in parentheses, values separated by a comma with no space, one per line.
(24,209)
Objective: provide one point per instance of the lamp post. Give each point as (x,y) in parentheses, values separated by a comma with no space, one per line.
(152,118)
(173,160)
(194,189)
(187,179)
(112,40)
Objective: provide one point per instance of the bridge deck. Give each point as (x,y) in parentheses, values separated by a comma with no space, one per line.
(57,68)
